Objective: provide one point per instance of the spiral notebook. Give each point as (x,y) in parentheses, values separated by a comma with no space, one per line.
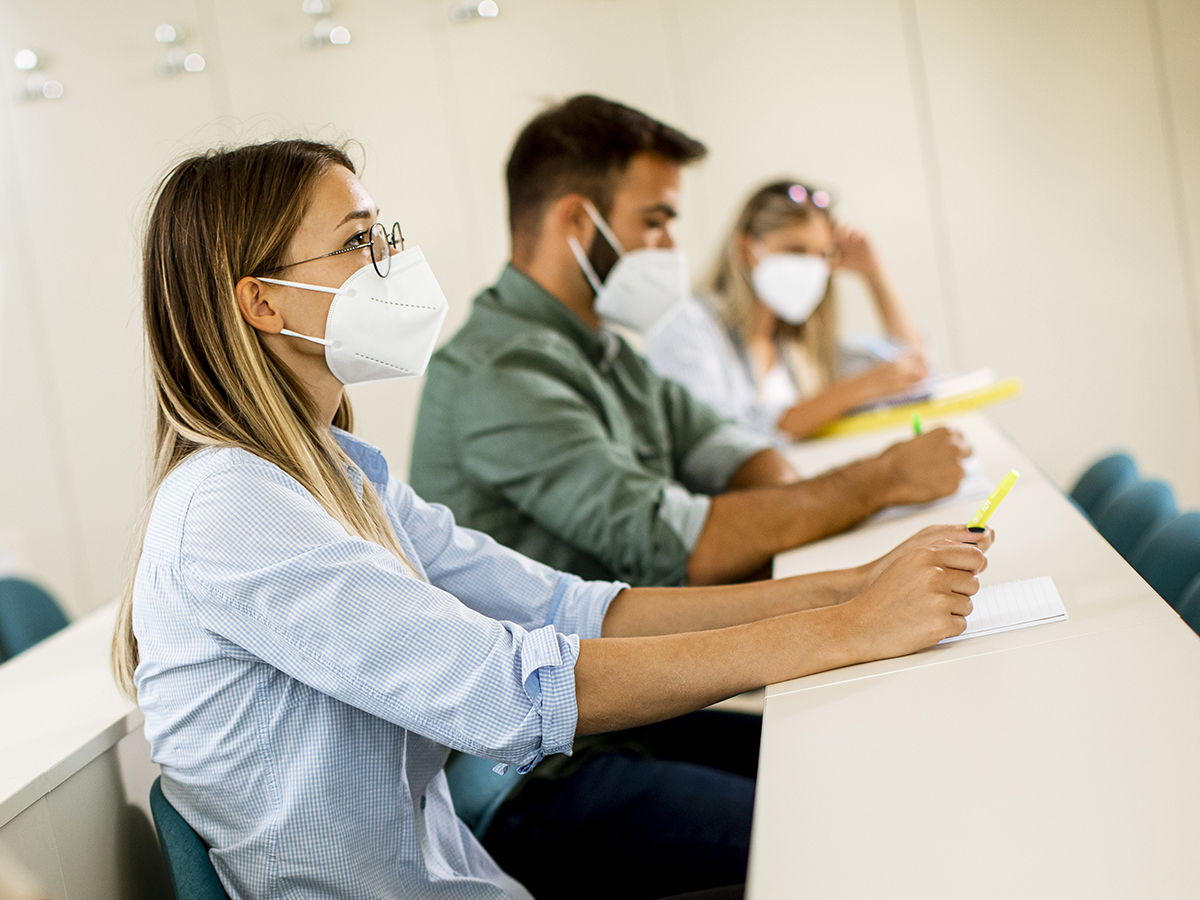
(1013,605)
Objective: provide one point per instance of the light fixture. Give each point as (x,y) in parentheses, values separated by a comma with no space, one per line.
(38,85)
(474,9)
(179,58)
(324,31)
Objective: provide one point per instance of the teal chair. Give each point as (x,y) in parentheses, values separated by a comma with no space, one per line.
(1103,479)
(1169,557)
(1134,512)
(1189,604)
(27,615)
(192,872)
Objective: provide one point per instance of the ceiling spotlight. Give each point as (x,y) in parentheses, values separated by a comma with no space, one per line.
(179,58)
(38,86)
(324,30)
(474,9)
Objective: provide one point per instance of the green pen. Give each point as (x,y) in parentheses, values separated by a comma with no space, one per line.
(916,420)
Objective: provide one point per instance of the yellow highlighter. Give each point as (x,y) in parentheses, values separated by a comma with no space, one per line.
(980,519)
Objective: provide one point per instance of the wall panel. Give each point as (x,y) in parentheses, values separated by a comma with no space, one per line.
(85,164)
(1055,174)
(821,92)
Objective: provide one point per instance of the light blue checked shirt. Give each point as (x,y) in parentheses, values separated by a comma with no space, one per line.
(301,688)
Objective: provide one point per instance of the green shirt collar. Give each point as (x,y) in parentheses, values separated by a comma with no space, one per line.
(517,293)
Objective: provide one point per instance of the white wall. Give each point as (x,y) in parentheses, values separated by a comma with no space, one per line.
(1030,170)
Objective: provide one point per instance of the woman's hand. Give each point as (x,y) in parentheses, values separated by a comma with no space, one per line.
(920,598)
(928,537)
(893,377)
(853,251)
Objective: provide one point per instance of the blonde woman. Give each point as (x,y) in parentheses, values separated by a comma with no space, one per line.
(760,343)
(308,639)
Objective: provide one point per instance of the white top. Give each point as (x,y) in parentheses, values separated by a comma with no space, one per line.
(692,347)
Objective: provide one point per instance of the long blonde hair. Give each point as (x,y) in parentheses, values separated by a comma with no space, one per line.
(727,286)
(218,217)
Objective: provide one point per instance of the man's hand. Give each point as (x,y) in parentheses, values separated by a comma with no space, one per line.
(925,468)
(919,599)
(927,537)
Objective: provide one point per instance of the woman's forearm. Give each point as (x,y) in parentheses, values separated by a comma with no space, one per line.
(832,403)
(624,682)
(898,319)
(654,611)
(920,598)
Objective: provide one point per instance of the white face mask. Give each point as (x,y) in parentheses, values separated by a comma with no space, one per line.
(642,287)
(791,284)
(380,328)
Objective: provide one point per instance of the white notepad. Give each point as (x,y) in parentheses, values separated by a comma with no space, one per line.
(1012,605)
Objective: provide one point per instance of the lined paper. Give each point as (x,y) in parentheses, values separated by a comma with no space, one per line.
(1012,605)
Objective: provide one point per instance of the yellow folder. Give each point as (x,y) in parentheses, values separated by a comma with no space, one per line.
(894,416)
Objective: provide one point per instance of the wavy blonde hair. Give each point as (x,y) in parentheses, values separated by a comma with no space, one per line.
(218,217)
(728,290)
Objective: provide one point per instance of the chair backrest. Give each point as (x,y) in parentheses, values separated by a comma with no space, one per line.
(27,615)
(192,872)
(1169,557)
(1102,480)
(1189,604)
(1126,518)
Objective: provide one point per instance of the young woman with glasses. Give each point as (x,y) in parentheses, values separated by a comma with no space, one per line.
(760,343)
(308,639)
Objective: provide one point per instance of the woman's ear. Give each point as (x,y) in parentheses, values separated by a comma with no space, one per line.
(746,255)
(256,307)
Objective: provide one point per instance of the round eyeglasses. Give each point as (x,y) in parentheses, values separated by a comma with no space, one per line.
(378,239)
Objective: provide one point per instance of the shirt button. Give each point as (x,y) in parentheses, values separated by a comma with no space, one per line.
(422,803)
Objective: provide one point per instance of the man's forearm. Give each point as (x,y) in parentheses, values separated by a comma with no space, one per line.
(744,529)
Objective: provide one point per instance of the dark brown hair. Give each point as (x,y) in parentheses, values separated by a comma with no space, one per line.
(582,146)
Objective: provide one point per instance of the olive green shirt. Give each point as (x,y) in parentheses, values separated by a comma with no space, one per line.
(561,442)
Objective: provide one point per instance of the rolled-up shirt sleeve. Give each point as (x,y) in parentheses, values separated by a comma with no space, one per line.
(712,463)
(276,579)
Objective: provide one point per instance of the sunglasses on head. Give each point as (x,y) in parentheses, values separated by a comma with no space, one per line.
(802,193)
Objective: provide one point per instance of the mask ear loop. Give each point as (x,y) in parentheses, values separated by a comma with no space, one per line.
(584,263)
(307,287)
(580,257)
(603,227)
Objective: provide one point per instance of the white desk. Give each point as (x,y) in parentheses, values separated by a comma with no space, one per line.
(73,762)
(1059,761)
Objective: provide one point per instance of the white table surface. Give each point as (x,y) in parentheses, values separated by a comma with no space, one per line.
(1056,761)
(59,710)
